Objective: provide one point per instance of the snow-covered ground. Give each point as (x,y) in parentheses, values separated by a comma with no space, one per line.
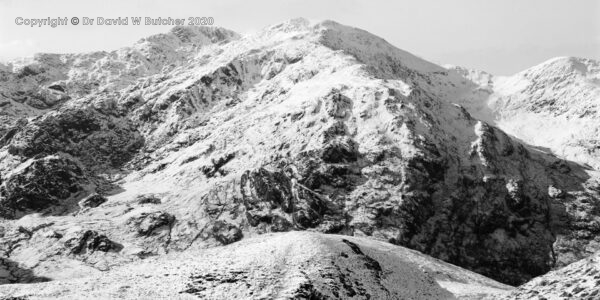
(293,265)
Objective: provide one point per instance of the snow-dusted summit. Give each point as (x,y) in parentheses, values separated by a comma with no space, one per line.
(554,105)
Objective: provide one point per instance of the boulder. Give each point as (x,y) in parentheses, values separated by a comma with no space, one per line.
(98,140)
(92,201)
(226,233)
(277,202)
(147,199)
(146,224)
(88,241)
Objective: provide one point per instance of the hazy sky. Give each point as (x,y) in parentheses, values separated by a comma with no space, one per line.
(501,37)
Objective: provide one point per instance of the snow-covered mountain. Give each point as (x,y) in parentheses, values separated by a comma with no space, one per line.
(554,105)
(201,137)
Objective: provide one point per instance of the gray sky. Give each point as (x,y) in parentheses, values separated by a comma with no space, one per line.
(501,37)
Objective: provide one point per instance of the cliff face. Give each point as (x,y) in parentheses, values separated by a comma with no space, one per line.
(200,138)
(553,107)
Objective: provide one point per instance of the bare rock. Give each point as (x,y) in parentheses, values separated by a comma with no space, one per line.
(276,202)
(226,233)
(97,139)
(92,201)
(148,199)
(41,184)
(147,224)
(88,241)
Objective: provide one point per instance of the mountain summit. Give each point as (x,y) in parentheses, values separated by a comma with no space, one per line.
(201,138)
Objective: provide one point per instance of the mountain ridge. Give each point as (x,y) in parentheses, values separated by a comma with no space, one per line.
(281,265)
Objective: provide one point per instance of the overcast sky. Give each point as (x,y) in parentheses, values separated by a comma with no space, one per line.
(498,36)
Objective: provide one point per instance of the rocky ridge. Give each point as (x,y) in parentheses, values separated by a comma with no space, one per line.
(553,105)
(293,265)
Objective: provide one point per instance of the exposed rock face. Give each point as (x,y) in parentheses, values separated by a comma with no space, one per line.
(83,241)
(274,201)
(147,223)
(98,140)
(10,272)
(148,199)
(92,201)
(40,184)
(226,233)
(301,126)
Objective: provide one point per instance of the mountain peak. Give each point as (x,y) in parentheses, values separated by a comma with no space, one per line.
(564,65)
(368,48)
(295,24)
(198,35)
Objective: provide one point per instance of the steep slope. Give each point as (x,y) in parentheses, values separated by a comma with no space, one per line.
(294,265)
(303,126)
(553,107)
(580,280)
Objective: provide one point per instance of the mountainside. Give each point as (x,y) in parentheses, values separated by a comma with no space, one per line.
(200,138)
(553,105)
(580,280)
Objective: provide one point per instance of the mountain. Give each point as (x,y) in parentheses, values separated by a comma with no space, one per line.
(553,105)
(201,138)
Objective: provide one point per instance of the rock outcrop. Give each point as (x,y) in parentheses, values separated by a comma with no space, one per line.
(92,201)
(40,184)
(80,242)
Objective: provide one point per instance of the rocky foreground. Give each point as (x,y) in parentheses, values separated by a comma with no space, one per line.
(294,265)
(143,157)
